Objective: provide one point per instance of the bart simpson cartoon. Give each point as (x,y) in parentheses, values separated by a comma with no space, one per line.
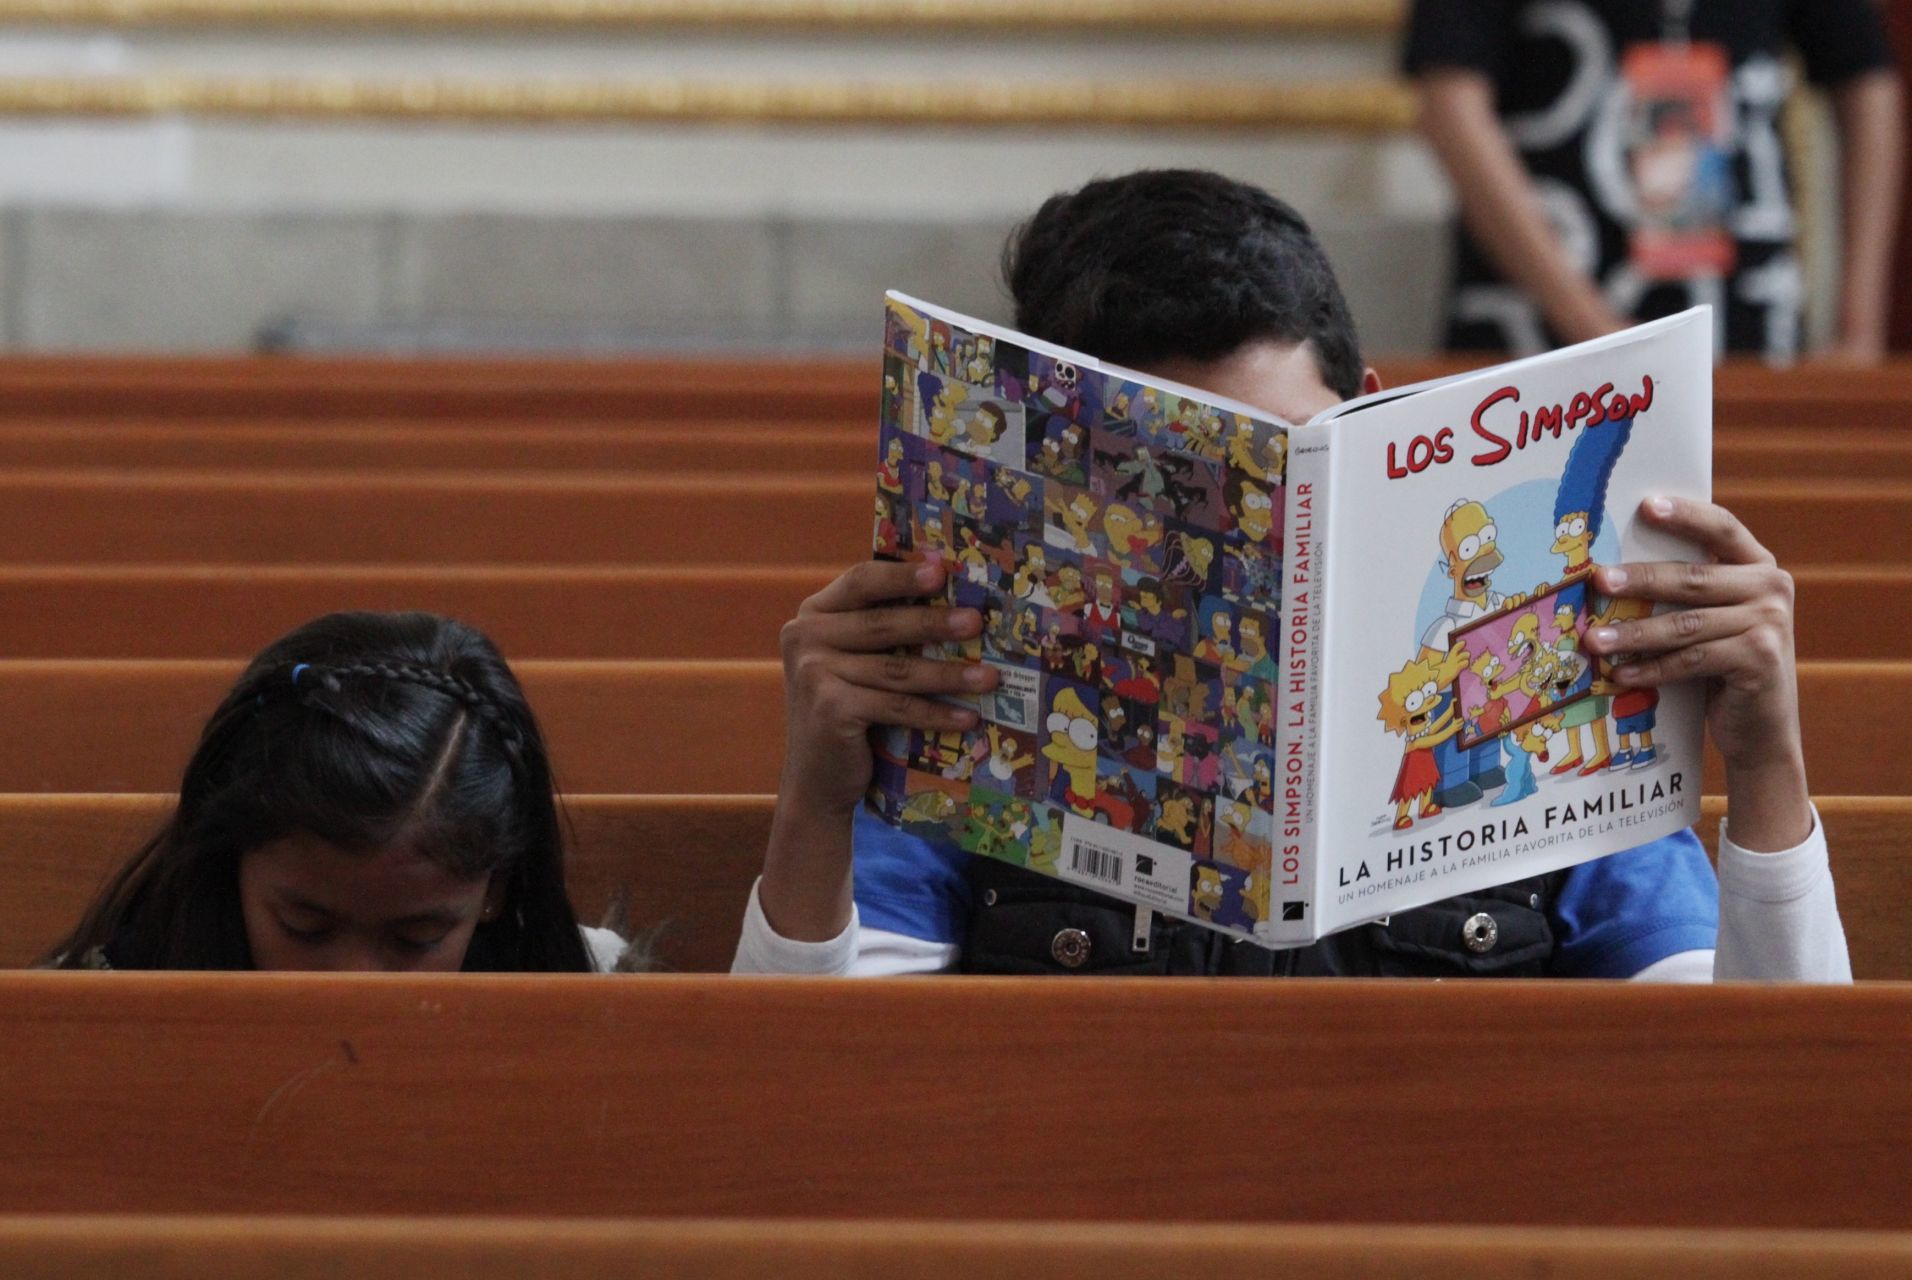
(1074,517)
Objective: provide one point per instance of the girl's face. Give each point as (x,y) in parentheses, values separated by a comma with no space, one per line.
(314,906)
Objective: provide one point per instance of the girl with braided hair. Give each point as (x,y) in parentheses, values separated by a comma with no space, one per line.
(373,794)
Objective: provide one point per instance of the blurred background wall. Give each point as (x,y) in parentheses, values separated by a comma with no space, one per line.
(214,175)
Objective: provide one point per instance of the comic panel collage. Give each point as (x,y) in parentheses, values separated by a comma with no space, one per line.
(1123,546)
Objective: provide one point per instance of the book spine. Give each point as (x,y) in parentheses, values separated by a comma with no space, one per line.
(1304,572)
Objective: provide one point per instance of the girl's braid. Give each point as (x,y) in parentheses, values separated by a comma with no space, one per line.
(457,688)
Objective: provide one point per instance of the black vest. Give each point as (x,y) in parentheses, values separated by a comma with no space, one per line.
(1024,923)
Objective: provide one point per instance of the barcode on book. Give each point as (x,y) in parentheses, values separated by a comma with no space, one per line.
(1098,864)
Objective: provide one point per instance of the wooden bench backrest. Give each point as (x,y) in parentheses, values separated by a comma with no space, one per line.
(1565,1104)
(658,611)
(680,727)
(240,517)
(845,448)
(684,865)
(615,612)
(193,1247)
(424,387)
(644,449)
(771,389)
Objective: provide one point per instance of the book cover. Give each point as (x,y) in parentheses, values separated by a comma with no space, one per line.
(1447,730)
(1281,681)
(1121,537)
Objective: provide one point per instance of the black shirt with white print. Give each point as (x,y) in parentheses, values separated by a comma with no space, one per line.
(1556,70)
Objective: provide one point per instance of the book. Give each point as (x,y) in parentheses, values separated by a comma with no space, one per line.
(1277,679)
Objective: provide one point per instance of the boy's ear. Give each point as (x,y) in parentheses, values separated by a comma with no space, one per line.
(1370,381)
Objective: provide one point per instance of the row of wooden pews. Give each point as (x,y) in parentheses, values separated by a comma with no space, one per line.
(682,864)
(633,533)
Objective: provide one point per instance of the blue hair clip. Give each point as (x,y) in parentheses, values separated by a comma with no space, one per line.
(298,671)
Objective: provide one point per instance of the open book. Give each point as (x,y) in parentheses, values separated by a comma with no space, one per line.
(1283,680)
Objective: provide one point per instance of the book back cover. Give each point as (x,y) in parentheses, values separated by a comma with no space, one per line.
(1121,539)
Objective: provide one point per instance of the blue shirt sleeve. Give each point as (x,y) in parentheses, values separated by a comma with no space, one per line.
(1617,915)
(907,884)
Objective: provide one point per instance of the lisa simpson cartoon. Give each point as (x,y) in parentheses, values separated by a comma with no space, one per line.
(1412,706)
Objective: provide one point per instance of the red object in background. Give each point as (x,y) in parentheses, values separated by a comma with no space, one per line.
(1899,16)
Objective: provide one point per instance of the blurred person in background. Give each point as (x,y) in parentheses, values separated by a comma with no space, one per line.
(1620,160)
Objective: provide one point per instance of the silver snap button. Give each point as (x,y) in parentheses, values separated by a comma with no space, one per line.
(1533,900)
(1070,947)
(1480,933)
(989,898)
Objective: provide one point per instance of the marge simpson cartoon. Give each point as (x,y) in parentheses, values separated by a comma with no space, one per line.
(1070,751)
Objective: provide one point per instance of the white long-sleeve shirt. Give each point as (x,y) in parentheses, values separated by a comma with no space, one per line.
(1778,921)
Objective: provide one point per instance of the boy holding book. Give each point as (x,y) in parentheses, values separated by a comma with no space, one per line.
(1214,284)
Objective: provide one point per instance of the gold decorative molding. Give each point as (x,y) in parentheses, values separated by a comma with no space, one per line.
(1349,106)
(888,16)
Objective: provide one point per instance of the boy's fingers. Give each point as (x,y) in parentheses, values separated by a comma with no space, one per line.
(1674,582)
(1673,630)
(873,630)
(866,708)
(1712,526)
(1735,656)
(906,673)
(875,581)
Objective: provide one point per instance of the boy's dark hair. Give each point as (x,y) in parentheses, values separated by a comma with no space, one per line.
(1178,262)
(360,729)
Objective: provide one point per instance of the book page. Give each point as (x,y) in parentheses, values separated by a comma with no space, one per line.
(1465,738)
(1122,540)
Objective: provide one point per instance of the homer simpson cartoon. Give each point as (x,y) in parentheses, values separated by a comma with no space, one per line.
(1004,760)
(1470,553)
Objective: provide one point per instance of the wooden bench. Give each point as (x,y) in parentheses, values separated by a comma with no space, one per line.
(679,727)
(845,448)
(810,388)
(642,611)
(560,611)
(237,517)
(230,517)
(425,387)
(192,1247)
(690,445)
(1591,1104)
(684,865)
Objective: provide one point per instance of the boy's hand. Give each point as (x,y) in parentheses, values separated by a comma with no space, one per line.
(843,676)
(1735,631)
